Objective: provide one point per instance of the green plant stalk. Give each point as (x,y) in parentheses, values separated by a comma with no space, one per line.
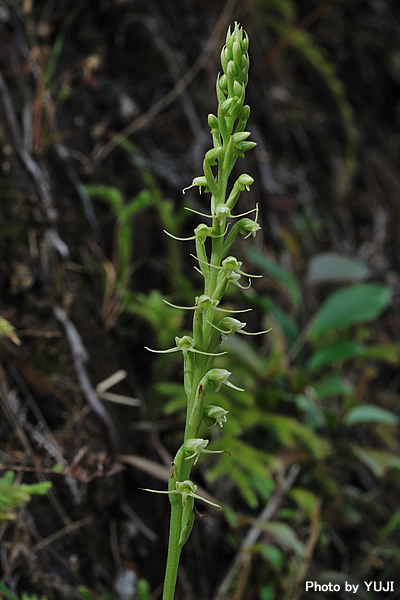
(218,271)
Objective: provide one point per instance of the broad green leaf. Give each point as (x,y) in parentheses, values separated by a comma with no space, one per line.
(267,593)
(272,554)
(305,499)
(284,535)
(368,413)
(286,280)
(314,417)
(333,354)
(285,321)
(354,304)
(290,432)
(332,385)
(330,267)
(247,354)
(377,461)
(7,593)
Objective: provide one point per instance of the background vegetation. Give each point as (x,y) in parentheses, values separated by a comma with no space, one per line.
(102,124)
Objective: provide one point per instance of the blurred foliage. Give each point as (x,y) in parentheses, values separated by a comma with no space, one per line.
(14,495)
(10,596)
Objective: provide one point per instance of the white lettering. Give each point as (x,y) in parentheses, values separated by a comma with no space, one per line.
(350,587)
(322,587)
(309,585)
(368,584)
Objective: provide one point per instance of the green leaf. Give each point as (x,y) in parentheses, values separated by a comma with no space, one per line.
(286,280)
(332,385)
(138,203)
(272,554)
(358,303)
(108,194)
(368,413)
(7,593)
(285,321)
(377,461)
(246,353)
(333,354)
(267,593)
(143,589)
(284,535)
(305,499)
(330,267)
(387,352)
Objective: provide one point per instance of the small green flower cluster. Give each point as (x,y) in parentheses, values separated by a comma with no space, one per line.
(219,270)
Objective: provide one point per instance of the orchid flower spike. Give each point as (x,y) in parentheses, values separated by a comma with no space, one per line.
(219,377)
(184,488)
(228,326)
(199,182)
(198,446)
(202,232)
(222,210)
(184,344)
(207,303)
(230,265)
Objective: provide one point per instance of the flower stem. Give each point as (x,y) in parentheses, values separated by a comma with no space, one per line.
(174,552)
(200,350)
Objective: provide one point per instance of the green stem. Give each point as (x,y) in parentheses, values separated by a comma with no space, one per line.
(174,551)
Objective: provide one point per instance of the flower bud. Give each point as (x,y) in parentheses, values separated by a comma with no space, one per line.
(236,53)
(222,82)
(212,155)
(237,89)
(245,146)
(212,121)
(244,43)
(224,58)
(240,137)
(231,70)
(226,106)
(229,41)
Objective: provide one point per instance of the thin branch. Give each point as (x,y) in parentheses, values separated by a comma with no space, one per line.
(80,356)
